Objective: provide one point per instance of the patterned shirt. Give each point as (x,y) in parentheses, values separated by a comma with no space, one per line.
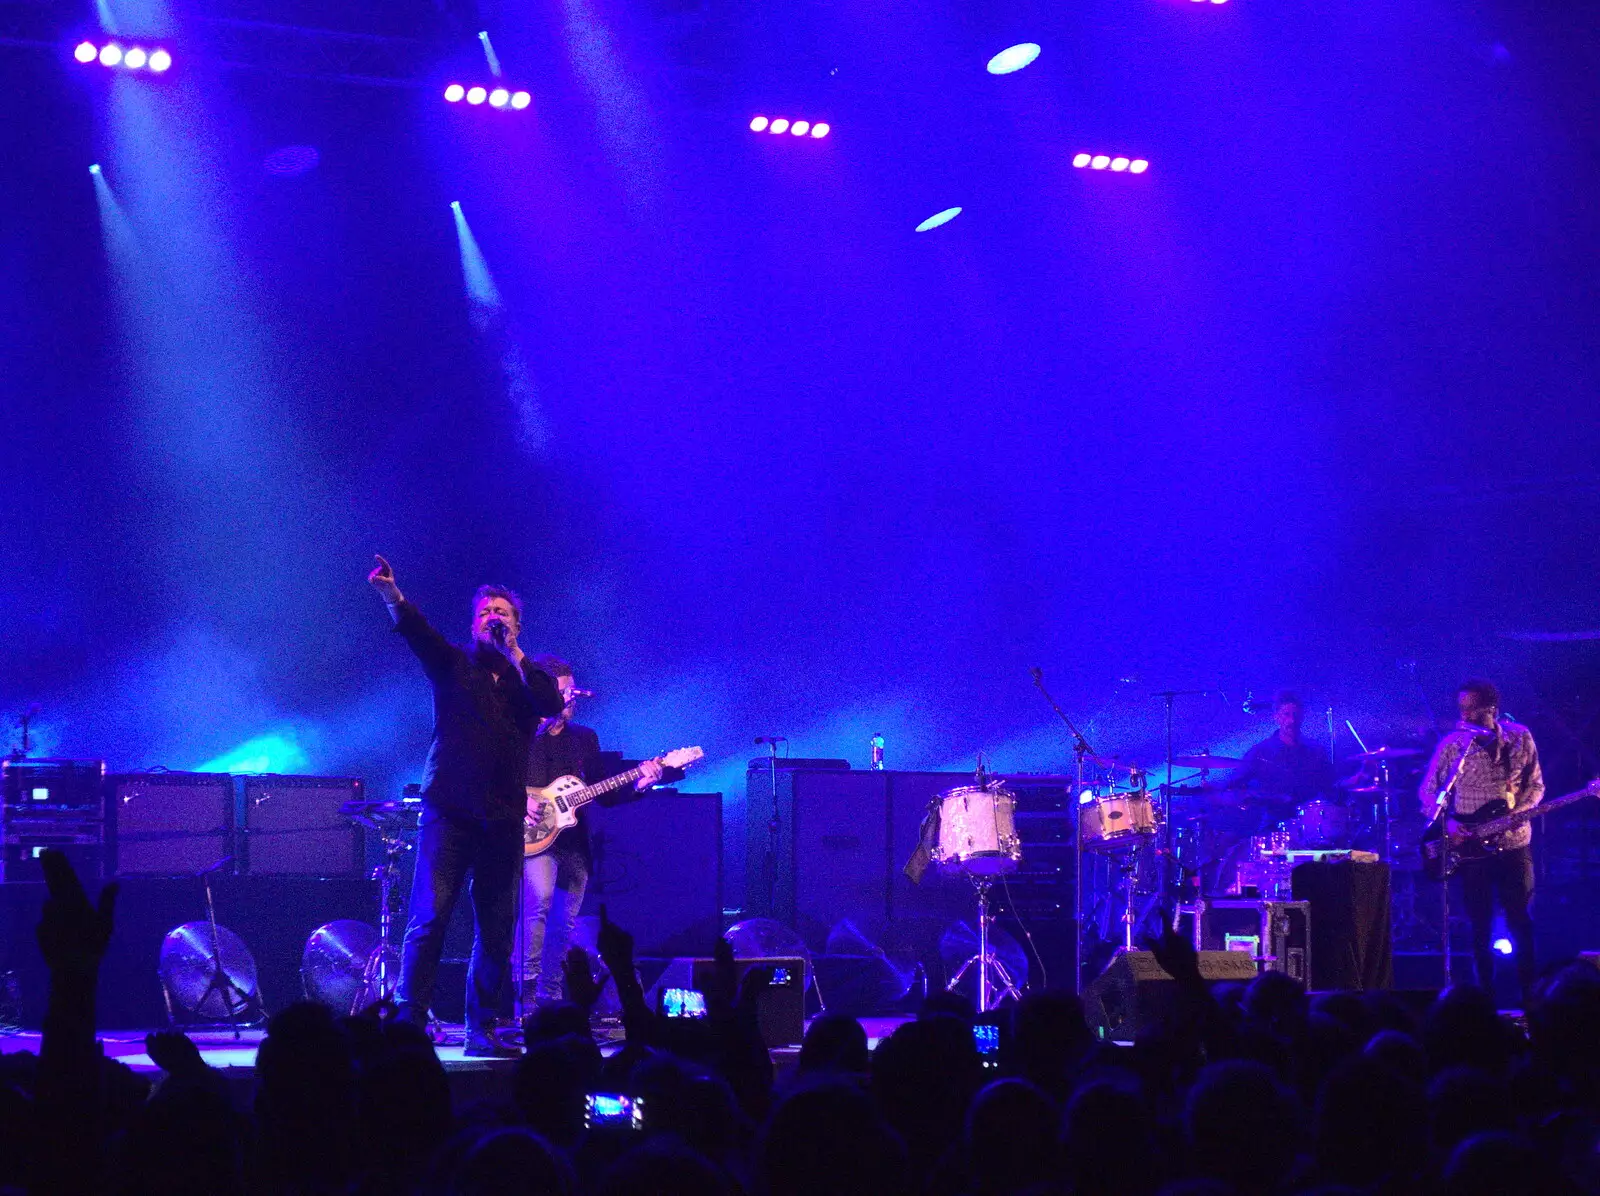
(1503,766)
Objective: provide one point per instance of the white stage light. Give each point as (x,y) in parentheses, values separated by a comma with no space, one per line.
(86,51)
(160,60)
(1013,58)
(455,93)
(110,54)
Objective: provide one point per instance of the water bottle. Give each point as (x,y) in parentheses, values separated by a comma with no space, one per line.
(877,751)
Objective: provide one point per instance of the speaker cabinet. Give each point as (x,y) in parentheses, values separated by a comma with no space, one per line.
(1135,994)
(293,826)
(658,869)
(169,823)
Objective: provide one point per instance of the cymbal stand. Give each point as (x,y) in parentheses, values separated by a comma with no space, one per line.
(379,978)
(990,994)
(1080,749)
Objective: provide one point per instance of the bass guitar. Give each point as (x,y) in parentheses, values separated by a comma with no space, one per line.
(555,807)
(1483,826)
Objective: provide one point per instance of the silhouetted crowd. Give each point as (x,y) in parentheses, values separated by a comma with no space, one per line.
(1251,1090)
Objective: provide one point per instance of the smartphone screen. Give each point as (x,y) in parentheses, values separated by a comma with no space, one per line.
(683,1002)
(781,977)
(987,1040)
(613,1109)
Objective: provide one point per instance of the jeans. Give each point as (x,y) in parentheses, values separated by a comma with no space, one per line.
(448,848)
(552,892)
(1507,875)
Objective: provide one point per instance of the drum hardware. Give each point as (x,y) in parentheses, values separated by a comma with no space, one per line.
(206,971)
(1385,753)
(346,964)
(990,993)
(1116,820)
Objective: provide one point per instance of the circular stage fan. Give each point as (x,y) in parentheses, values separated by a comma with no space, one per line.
(196,985)
(345,967)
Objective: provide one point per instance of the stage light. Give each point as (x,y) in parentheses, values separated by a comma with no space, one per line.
(758,124)
(134,58)
(781,125)
(86,52)
(94,168)
(477,95)
(1119,164)
(1503,946)
(821,129)
(1099,162)
(1138,166)
(938,218)
(110,54)
(499,98)
(1081,160)
(1013,58)
(160,60)
(455,93)
(800,128)
(520,100)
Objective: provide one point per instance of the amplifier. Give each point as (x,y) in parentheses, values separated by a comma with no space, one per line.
(293,827)
(52,785)
(169,823)
(20,852)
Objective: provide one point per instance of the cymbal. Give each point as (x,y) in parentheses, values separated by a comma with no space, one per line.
(1387,753)
(1206,761)
(1361,783)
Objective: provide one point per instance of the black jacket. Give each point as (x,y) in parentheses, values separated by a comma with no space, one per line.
(484,714)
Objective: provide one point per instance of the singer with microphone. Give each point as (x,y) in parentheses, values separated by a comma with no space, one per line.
(488,698)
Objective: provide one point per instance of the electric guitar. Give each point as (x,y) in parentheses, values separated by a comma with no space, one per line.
(1482,825)
(554,808)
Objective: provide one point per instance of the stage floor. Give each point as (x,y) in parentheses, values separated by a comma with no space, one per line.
(238,1057)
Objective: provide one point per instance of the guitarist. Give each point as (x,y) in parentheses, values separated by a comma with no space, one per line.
(553,882)
(1501,764)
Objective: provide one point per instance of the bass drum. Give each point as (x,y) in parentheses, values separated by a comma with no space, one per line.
(978,831)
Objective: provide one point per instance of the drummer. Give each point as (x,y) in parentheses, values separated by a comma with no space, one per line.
(1283,771)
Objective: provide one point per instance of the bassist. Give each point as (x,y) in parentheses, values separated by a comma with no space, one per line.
(1500,763)
(553,883)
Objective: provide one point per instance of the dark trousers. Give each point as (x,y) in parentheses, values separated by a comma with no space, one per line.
(448,848)
(1508,877)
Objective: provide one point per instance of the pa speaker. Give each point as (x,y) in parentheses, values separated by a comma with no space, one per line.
(1135,994)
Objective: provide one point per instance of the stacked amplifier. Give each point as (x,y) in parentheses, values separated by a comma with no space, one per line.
(51,803)
(175,823)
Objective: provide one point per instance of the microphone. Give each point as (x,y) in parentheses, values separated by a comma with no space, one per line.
(217,867)
(771,739)
(499,630)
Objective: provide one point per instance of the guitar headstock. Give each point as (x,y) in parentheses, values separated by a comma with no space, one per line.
(682,757)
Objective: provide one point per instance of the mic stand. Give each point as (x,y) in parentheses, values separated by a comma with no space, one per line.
(1441,812)
(774,825)
(1080,749)
(221,983)
(1167,696)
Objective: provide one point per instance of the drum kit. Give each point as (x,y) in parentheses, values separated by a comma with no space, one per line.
(1136,831)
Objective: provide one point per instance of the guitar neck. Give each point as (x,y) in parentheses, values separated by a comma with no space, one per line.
(1515,819)
(600,788)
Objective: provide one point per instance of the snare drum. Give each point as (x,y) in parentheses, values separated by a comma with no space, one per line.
(1116,820)
(1320,824)
(978,831)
